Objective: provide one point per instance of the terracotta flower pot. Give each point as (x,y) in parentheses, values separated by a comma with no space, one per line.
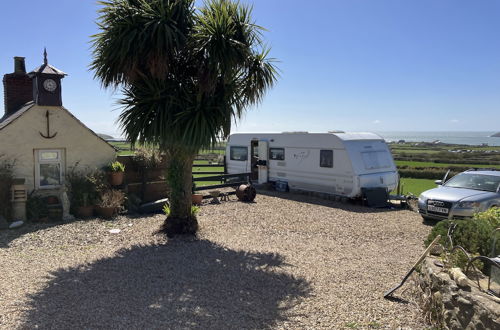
(85,211)
(197,198)
(105,212)
(116,178)
(52,200)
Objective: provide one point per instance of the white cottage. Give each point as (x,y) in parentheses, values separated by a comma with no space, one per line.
(41,135)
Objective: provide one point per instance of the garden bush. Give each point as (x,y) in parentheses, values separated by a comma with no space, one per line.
(85,186)
(6,179)
(474,235)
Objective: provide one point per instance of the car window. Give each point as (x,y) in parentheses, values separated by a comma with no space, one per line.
(474,181)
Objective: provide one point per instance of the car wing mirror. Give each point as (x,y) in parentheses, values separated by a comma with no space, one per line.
(438,182)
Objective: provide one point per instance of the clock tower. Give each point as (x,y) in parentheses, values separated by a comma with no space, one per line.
(47,84)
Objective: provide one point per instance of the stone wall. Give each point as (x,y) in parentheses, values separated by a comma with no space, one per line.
(453,302)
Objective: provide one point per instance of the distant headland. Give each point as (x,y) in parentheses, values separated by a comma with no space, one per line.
(496,135)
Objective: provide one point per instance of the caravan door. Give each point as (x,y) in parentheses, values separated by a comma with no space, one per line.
(263,161)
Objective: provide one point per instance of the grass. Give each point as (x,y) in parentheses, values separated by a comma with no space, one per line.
(415,186)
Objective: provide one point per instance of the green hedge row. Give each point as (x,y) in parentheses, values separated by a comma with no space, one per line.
(449,161)
(431,173)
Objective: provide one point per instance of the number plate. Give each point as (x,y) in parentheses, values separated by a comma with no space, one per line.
(437,209)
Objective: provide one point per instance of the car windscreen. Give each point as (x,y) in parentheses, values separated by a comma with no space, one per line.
(474,181)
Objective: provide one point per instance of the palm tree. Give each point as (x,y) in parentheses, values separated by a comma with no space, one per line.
(185,74)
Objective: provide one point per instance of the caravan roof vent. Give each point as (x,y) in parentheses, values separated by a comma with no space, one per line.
(296,132)
(336,131)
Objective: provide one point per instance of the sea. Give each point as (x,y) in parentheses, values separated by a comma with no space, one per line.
(466,138)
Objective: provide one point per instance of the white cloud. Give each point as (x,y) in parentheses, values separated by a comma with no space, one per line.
(454,121)
(376,121)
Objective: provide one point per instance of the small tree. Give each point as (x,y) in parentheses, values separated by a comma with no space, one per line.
(185,74)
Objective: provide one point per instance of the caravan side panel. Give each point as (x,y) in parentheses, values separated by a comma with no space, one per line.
(303,169)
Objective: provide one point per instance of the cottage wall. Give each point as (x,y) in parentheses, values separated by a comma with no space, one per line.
(21,138)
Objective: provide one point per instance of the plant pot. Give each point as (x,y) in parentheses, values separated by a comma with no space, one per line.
(55,214)
(106,212)
(52,200)
(84,211)
(197,198)
(43,219)
(116,178)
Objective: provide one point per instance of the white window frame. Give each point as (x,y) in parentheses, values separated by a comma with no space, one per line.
(231,154)
(39,161)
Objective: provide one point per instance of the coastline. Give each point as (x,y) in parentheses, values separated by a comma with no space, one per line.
(484,138)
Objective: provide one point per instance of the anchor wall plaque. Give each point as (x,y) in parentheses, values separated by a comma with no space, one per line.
(48,136)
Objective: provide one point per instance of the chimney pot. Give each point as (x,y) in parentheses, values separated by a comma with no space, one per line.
(17,87)
(19,65)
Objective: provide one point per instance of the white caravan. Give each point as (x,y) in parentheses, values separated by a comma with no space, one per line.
(332,163)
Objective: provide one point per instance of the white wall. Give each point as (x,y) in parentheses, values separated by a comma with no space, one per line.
(19,139)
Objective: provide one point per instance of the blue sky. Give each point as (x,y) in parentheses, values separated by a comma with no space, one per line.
(355,65)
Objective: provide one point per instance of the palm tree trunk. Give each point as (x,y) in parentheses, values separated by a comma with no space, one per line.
(180,221)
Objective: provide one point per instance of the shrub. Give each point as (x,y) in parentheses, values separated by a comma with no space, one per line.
(6,179)
(194,210)
(116,167)
(492,216)
(147,158)
(36,208)
(83,186)
(474,235)
(112,198)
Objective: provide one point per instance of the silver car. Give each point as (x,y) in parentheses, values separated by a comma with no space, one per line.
(461,196)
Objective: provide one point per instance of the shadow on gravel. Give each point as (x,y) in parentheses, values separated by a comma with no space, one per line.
(181,284)
(9,235)
(350,206)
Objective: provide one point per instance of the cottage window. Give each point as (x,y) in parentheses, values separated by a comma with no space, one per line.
(326,158)
(277,153)
(49,168)
(238,153)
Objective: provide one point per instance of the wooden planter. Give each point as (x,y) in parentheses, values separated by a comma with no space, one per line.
(85,211)
(106,212)
(197,198)
(116,178)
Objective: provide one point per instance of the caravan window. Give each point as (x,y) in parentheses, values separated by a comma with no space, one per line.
(326,158)
(376,160)
(238,153)
(277,153)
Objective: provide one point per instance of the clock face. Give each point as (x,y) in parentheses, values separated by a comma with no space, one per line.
(49,85)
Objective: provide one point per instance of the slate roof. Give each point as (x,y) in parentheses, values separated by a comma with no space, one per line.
(7,119)
(47,69)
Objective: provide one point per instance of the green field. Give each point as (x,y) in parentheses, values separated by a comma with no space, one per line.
(217,171)
(415,186)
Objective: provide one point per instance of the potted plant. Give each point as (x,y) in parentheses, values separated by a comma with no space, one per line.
(83,189)
(197,198)
(116,172)
(86,209)
(36,209)
(110,202)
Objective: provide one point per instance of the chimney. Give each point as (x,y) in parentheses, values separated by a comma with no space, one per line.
(17,87)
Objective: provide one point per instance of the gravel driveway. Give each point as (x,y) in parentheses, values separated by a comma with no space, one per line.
(286,261)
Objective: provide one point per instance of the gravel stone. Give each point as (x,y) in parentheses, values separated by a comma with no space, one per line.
(285,261)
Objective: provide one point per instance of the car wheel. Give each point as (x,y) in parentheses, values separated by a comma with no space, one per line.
(427,219)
